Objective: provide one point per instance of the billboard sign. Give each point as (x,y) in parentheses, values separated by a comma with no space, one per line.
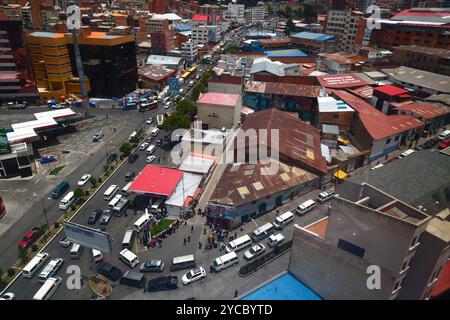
(88,237)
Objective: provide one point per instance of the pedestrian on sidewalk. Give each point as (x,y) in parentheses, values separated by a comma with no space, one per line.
(236,294)
(189,239)
(184,242)
(192,229)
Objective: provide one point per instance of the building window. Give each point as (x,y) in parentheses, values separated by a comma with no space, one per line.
(388,141)
(396,138)
(351,248)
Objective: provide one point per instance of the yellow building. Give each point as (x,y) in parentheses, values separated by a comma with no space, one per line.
(52,66)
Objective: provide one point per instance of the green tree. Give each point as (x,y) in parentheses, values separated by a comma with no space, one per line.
(231,49)
(106,168)
(187,107)
(290,27)
(93,181)
(310,13)
(197,90)
(22,254)
(78,192)
(175,121)
(270,10)
(126,149)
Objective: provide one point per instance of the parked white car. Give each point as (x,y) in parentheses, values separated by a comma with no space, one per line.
(83,180)
(8,296)
(254,251)
(193,275)
(143,146)
(150,159)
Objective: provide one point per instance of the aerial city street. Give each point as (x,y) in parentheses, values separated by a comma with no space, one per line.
(224,150)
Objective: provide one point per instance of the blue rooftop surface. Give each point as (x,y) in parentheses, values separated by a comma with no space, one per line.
(286,53)
(313,36)
(183,27)
(285,287)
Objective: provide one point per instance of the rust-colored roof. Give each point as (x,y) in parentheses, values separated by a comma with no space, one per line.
(377,124)
(244,183)
(298,140)
(425,110)
(287,89)
(319,227)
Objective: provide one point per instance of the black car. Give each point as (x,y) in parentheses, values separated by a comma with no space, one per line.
(108,270)
(111,158)
(130,175)
(95,216)
(133,157)
(162,283)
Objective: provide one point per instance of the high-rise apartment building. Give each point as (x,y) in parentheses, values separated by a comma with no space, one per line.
(348,27)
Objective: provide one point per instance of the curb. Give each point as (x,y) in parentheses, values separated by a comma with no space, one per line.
(73,216)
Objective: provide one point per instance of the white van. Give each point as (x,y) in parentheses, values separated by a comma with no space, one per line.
(151,148)
(110,192)
(238,244)
(75,251)
(157,206)
(306,206)
(262,232)
(155,132)
(115,201)
(283,219)
(141,222)
(444,135)
(183,262)
(275,239)
(48,288)
(124,190)
(132,135)
(67,201)
(97,255)
(35,264)
(128,238)
(406,153)
(129,258)
(225,261)
(50,269)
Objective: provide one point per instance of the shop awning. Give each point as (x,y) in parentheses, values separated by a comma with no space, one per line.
(340,175)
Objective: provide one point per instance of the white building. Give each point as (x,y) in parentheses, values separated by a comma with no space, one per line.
(254,15)
(189,50)
(206,34)
(236,12)
(344,24)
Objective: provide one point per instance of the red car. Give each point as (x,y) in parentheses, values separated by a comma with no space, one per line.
(444,144)
(29,238)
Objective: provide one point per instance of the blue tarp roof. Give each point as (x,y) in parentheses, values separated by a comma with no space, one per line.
(313,36)
(286,53)
(183,27)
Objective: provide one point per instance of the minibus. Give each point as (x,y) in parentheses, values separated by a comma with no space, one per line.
(48,288)
(151,148)
(127,242)
(283,219)
(62,187)
(129,258)
(238,244)
(50,269)
(306,206)
(67,201)
(75,251)
(155,132)
(183,262)
(35,264)
(133,279)
(140,223)
(115,201)
(262,232)
(225,261)
(110,192)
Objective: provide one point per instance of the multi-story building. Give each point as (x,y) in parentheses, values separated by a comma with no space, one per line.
(162,34)
(219,110)
(236,12)
(16,77)
(314,42)
(367,231)
(206,34)
(53,71)
(418,26)
(348,26)
(158,6)
(339,62)
(435,60)
(256,14)
(189,51)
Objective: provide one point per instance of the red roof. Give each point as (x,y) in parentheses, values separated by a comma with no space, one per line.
(377,124)
(391,90)
(425,110)
(342,80)
(203,17)
(443,283)
(219,99)
(422,13)
(156,180)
